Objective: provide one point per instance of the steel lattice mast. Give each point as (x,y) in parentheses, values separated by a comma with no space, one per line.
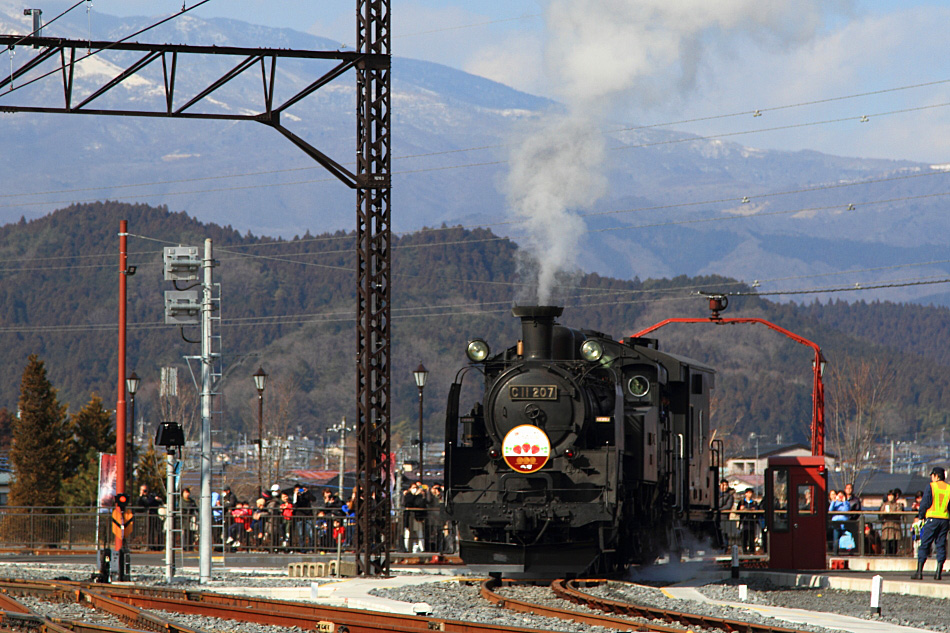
(373,461)
(372,62)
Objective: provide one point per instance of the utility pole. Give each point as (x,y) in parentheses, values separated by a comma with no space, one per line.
(204,516)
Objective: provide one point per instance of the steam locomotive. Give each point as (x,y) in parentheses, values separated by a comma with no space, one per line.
(585,456)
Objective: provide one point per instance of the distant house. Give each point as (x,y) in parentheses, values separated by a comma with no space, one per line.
(756,463)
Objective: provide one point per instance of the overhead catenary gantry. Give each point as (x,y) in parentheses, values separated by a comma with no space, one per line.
(56,59)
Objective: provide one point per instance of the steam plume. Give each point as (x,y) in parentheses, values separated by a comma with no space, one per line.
(599,51)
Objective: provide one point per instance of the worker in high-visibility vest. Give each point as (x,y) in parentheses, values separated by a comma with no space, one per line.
(934,513)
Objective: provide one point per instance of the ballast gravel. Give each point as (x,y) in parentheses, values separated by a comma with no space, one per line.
(913,611)
(465,603)
(462,601)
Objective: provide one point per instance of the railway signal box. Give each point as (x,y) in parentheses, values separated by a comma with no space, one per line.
(796,509)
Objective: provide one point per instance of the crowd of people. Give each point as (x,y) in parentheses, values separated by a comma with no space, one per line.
(424,529)
(743,523)
(292,518)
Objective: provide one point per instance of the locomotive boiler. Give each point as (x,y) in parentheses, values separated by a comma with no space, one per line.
(584,454)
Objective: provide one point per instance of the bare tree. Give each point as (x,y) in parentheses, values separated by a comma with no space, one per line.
(725,429)
(178,402)
(279,406)
(858,391)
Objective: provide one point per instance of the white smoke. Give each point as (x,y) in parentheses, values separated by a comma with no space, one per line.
(600,52)
(556,169)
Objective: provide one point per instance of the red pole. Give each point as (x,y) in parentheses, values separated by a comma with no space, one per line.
(120,401)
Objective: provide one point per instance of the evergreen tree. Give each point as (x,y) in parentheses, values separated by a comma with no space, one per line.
(38,455)
(6,429)
(90,432)
(151,470)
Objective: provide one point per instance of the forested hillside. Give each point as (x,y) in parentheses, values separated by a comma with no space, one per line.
(289,306)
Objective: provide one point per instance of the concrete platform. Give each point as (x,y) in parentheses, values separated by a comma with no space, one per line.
(797,616)
(894,582)
(347,592)
(354,593)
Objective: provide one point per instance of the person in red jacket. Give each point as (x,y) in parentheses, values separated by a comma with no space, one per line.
(286,520)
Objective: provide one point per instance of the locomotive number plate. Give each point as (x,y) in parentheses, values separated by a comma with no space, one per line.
(532,392)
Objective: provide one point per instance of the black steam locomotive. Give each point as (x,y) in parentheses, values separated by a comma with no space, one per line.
(585,456)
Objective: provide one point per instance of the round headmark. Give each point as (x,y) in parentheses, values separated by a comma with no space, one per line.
(526,448)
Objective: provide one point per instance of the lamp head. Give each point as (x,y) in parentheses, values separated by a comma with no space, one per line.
(260,380)
(420,374)
(132,383)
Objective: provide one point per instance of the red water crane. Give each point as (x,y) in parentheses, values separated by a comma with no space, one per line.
(718,303)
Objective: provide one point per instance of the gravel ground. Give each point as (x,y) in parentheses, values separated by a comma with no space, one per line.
(462,601)
(914,611)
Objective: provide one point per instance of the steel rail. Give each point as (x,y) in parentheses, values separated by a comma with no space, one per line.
(244,608)
(29,621)
(8,604)
(129,613)
(60,591)
(17,616)
(568,590)
(521,606)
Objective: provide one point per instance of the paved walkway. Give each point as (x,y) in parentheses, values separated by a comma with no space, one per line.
(349,592)
(798,616)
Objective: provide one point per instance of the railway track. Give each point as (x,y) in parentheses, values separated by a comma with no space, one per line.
(136,606)
(669,621)
(144,608)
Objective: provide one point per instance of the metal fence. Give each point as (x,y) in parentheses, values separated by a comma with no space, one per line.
(415,530)
(864,533)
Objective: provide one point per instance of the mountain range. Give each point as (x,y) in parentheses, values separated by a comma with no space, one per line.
(676,204)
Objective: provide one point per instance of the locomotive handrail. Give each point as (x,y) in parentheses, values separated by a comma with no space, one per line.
(818,387)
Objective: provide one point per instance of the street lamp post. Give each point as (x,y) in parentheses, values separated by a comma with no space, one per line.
(420,374)
(260,379)
(131,385)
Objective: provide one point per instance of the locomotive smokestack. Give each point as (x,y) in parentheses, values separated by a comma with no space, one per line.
(537,329)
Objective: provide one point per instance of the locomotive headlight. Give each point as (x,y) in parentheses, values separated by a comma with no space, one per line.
(638,386)
(592,350)
(477,350)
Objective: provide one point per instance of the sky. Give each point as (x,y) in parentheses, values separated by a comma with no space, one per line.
(685,60)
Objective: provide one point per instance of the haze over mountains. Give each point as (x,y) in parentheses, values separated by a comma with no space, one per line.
(681,198)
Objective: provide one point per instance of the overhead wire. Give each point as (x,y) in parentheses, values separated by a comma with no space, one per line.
(864,118)
(759,111)
(459,310)
(61,68)
(289,258)
(476,308)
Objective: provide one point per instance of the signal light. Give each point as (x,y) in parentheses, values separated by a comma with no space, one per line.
(494,453)
(569,453)
(122,500)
